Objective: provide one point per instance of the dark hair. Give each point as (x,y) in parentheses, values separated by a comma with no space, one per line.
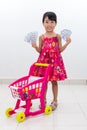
(51,15)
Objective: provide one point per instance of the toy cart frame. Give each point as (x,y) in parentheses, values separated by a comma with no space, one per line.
(25,90)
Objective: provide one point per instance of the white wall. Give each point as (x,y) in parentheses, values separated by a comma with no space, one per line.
(18,17)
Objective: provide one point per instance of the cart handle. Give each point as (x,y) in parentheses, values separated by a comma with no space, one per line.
(42,64)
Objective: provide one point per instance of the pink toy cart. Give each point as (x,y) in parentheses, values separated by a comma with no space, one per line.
(26,89)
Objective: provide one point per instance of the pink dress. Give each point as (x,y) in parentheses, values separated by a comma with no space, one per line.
(50,54)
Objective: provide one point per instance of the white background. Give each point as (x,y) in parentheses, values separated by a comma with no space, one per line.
(18,17)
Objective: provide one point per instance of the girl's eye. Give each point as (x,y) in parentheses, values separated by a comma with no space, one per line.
(46,21)
(52,21)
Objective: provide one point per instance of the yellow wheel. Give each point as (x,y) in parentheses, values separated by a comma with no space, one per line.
(7,112)
(48,110)
(20,117)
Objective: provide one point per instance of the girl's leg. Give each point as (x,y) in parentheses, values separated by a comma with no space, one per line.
(55,94)
(55,90)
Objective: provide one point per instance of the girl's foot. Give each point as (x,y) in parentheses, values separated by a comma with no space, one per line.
(54,105)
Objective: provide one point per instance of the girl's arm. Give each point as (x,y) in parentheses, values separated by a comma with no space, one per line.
(63,47)
(38,48)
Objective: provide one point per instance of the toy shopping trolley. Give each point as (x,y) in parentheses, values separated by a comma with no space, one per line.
(26,89)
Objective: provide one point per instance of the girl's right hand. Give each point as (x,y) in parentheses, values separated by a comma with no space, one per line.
(34,44)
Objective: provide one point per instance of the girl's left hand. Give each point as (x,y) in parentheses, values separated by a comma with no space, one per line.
(68,40)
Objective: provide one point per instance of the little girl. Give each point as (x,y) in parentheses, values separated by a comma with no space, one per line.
(50,48)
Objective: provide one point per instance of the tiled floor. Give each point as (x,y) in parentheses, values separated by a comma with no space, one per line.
(71,113)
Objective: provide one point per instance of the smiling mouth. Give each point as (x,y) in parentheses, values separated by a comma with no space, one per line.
(49,28)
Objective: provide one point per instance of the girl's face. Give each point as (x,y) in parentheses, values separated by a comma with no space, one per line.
(49,25)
